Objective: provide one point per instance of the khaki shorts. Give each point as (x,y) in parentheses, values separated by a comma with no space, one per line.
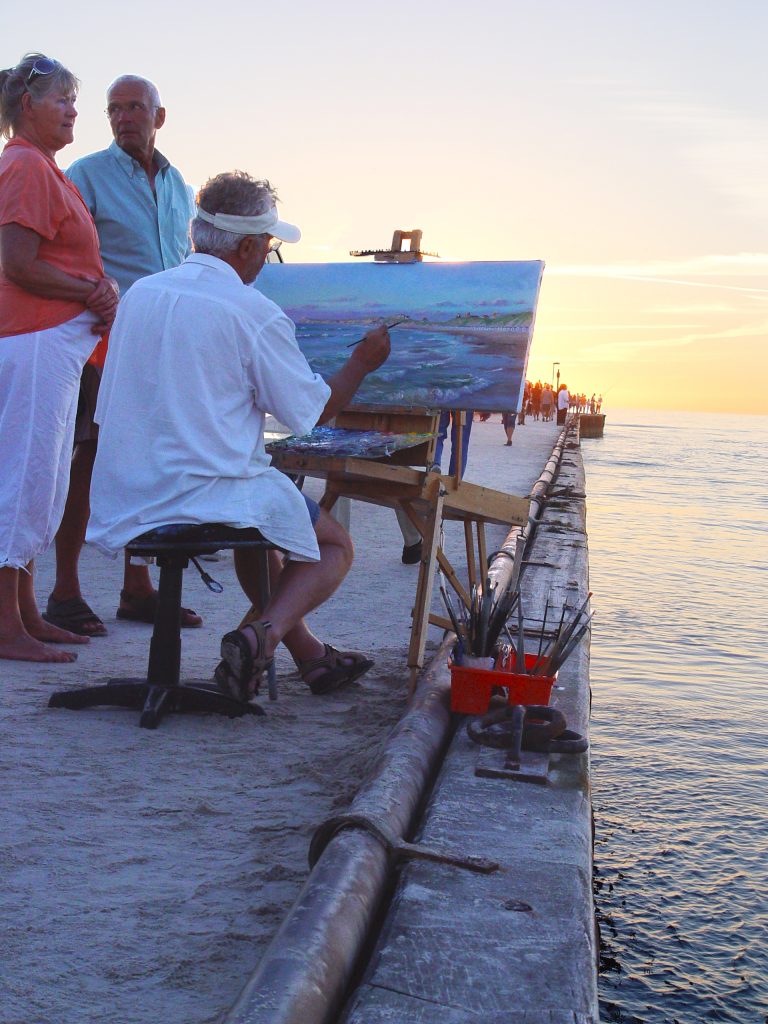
(85,428)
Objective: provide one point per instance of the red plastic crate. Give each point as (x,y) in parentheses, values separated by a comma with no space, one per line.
(471,688)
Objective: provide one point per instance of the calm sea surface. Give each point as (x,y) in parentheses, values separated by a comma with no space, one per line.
(678,541)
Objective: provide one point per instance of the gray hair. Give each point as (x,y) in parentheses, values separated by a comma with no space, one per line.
(233,192)
(151,88)
(13,85)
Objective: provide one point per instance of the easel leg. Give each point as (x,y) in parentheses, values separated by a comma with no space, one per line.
(328,499)
(424,589)
(452,578)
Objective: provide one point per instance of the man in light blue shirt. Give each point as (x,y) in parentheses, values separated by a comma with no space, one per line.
(141,204)
(142,209)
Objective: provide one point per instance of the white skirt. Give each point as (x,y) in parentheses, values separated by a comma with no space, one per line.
(39,381)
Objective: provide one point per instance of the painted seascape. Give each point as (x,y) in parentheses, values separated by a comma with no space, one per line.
(463,341)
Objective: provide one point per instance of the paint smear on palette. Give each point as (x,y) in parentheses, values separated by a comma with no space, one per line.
(464,344)
(370,444)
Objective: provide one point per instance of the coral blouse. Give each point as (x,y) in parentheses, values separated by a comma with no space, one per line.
(37,195)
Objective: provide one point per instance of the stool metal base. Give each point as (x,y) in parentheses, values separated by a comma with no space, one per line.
(162,692)
(154,701)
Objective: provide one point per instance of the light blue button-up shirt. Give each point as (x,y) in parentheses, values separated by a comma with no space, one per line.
(138,235)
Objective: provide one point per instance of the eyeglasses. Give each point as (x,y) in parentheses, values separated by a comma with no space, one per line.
(42,66)
(135,107)
(275,244)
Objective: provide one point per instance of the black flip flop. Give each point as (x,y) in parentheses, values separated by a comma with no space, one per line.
(72,616)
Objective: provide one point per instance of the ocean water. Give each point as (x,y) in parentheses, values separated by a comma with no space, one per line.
(678,540)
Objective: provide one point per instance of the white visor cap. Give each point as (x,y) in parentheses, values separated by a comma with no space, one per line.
(260,224)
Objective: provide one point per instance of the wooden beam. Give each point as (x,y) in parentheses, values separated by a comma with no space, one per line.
(425,586)
(441,621)
(388,421)
(376,492)
(476,502)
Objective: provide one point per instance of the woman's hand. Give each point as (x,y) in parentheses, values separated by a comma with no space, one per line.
(19,247)
(103,302)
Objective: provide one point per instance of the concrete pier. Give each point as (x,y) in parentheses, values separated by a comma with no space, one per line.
(147,872)
(518,946)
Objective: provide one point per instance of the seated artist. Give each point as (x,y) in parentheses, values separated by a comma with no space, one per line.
(195,362)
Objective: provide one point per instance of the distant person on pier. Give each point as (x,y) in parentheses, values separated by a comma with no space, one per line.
(536,400)
(547,403)
(525,404)
(187,445)
(448,419)
(508,420)
(563,403)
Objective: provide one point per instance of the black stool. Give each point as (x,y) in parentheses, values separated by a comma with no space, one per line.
(173,546)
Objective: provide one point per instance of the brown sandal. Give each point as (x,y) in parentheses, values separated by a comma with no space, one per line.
(341,667)
(239,671)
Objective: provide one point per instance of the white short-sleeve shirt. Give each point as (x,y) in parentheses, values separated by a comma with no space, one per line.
(196,360)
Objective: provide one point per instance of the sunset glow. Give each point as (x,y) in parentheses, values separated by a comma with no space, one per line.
(626,145)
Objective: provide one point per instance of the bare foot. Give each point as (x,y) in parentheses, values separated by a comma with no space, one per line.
(50,634)
(24,647)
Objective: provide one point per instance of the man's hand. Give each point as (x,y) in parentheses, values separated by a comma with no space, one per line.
(368,355)
(374,349)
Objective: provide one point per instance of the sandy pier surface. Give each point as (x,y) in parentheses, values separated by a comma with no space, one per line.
(145,872)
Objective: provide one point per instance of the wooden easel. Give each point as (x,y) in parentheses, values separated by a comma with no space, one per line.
(408,480)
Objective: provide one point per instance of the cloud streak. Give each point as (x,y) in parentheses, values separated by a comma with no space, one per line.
(619,351)
(741,264)
(695,272)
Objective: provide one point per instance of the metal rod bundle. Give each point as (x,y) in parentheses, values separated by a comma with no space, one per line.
(568,635)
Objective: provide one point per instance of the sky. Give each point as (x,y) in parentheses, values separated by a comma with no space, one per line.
(623,143)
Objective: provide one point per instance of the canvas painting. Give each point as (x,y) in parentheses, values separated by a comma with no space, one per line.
(463,341)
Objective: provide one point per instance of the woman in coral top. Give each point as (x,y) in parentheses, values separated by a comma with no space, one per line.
(55,301)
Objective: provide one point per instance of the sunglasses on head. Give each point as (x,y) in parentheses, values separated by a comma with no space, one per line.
(42,66)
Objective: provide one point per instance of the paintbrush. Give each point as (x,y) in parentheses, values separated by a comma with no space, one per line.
(457,627)
(388,326)
(501,612)
(543,628)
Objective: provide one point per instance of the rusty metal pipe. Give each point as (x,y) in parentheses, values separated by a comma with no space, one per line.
(305,973)
(505,565)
